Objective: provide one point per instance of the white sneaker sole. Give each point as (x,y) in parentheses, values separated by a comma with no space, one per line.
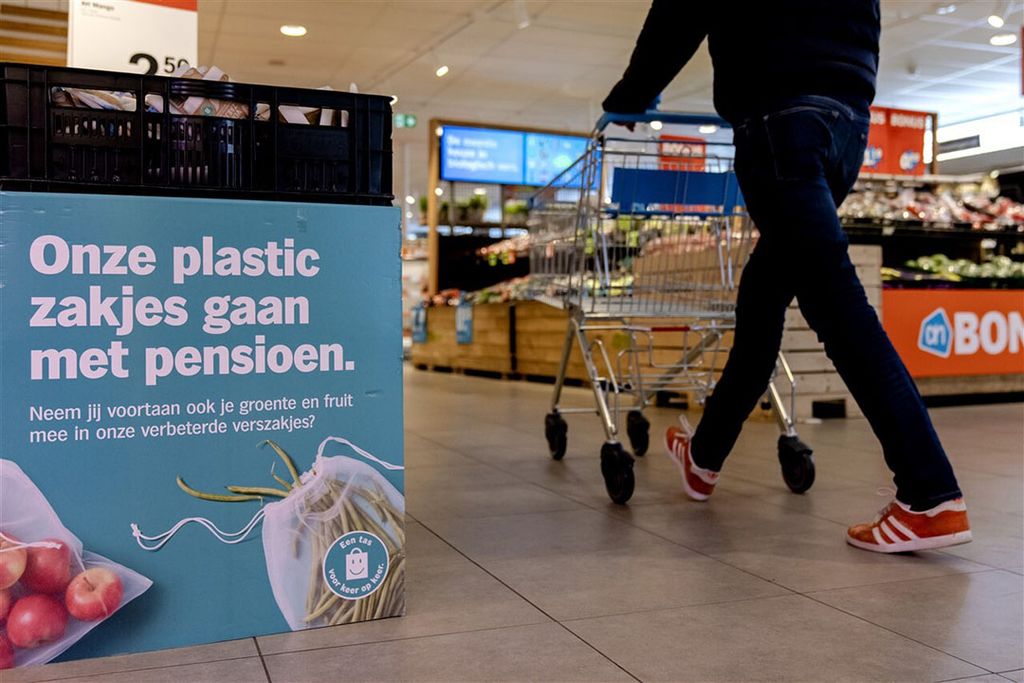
(681,466)
(931,543)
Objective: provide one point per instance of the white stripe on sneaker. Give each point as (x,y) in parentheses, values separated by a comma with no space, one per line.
(902,529)
(888,533)
(878,536)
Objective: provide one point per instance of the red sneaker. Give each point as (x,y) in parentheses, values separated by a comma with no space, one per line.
(698,482)
(898,529)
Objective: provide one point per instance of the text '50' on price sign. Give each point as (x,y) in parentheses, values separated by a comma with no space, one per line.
(147,36)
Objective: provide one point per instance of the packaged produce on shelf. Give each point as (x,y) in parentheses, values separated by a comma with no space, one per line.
(948,206)
(52,591)
(941,268)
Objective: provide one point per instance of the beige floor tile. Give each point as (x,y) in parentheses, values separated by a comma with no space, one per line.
(248,670)
(476,491)
(724,523)
(1017,676)
(101,666)
(446,594)
(782,639)
(527,653)
(615,580)
(538,536)
(976,617)
(806,562)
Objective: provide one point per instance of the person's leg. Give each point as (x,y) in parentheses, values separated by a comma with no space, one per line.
(760,316)
(815,155)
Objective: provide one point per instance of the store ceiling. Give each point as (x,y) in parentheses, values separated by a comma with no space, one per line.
(555,71)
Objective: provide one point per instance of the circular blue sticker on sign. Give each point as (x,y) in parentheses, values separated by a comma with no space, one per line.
(356,565)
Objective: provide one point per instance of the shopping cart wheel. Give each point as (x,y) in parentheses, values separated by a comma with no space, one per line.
(556,431)
(797,463)
(617,468)
(639,431)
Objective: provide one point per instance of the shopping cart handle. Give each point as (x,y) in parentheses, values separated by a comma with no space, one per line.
(670,117)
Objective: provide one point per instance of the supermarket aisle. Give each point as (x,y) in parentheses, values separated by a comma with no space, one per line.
(520,568)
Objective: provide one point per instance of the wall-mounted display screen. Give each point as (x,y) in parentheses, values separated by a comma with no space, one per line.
(508,157)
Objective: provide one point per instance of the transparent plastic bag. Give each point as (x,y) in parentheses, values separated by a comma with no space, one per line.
(27,521)
(341,493)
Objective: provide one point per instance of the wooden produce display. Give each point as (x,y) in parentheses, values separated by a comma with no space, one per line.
(489,352)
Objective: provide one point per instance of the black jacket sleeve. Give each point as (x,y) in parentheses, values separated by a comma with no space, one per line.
(673,31)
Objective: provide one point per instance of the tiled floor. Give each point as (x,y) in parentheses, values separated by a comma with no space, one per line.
(521,569)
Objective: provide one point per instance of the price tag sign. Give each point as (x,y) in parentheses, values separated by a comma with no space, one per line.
(143,36)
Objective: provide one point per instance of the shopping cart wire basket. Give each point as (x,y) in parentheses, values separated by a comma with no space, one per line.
(643,241)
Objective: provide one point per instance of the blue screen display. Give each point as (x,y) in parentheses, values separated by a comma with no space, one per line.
(487,155)
(549,155)
(482,155)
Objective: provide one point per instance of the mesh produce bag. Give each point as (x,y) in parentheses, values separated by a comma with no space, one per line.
(27,524)
(340,494)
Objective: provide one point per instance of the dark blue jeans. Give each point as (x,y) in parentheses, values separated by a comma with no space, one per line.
(795,166)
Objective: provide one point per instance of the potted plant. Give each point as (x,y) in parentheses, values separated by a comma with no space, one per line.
(423,210)
(516,212)
(476,207)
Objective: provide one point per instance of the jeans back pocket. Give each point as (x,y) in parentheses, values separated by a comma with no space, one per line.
(800,141)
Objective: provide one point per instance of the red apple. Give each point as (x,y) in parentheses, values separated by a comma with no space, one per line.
(94,594)
(35,620)
(5,604)
(48,570)
(6,653)
(12,561)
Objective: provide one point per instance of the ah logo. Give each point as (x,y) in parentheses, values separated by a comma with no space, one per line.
(936,335)
(909,160)
(872,157)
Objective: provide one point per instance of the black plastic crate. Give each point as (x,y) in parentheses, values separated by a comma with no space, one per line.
(52,147)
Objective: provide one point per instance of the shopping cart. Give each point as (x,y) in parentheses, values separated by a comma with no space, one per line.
(642,242)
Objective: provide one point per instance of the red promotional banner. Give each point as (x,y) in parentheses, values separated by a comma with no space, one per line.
(896,142)
(681,153)
(950,332)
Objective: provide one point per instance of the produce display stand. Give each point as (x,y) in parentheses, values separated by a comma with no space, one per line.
(454,266)
(200,347)
(965,370)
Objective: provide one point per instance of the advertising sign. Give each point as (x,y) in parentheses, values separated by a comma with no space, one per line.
(954,332)
(145,36)
(482,155)
(200,420)
(548,155)
(508,157)
(464,323)
(895,142)
(681,153)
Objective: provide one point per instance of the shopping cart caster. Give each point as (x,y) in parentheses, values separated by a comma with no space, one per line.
(797,463)
(556,431)
(639,430)
(617,468)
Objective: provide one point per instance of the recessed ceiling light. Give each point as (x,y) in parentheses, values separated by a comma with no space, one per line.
(655,125)
(442,71)
(408,214)
(708,129)
(438,191)
(479,191)
(439,131)
(293,30)
(996,21)
(409,199)
(946,9)
(1001,39)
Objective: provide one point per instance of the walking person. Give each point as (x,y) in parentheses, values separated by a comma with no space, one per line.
(796,79)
